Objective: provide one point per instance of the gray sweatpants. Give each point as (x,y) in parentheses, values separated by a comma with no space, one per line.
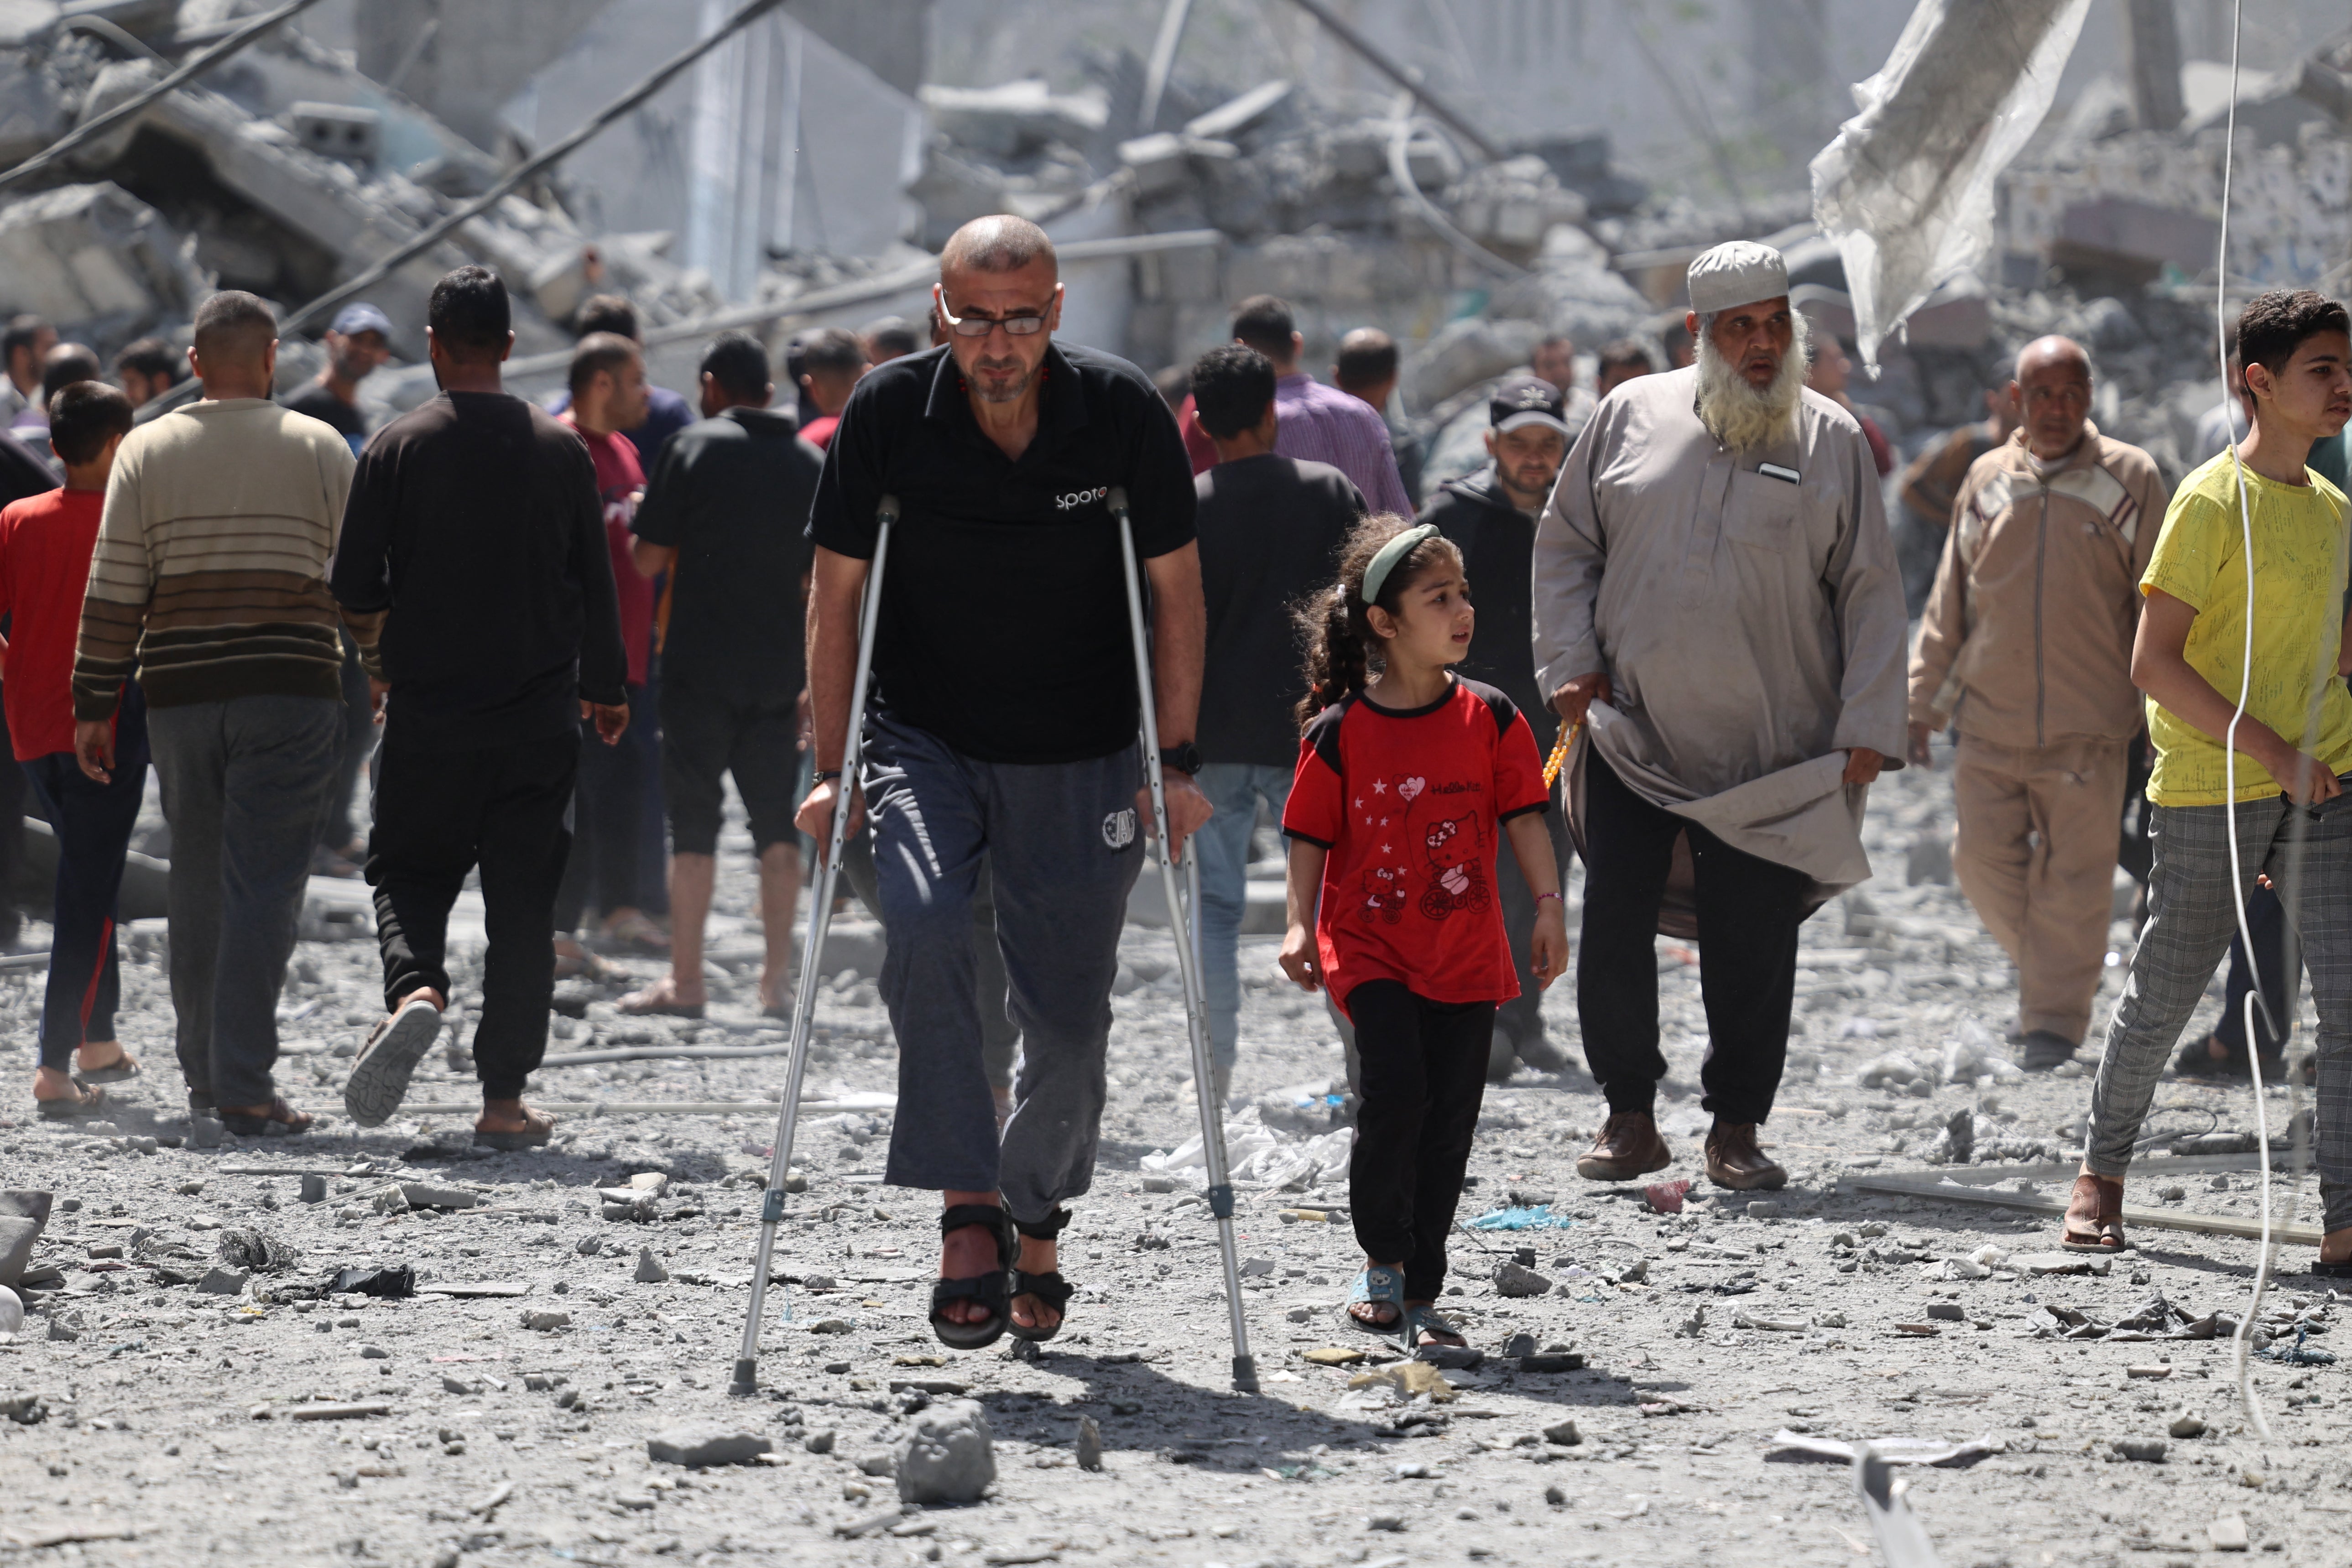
(2191,915)
(1064,847)
(246,785)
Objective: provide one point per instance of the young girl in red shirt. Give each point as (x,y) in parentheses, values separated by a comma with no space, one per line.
(1407,777)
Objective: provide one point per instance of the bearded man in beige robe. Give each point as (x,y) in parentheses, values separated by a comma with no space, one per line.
(1716,601)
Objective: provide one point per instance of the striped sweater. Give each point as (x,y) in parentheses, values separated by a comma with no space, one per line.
(210,573)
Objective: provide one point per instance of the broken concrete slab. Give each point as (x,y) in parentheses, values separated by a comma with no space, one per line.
(1463,353)
(438,1195)
(34,110)
(1250,110)
(700,1444)
(94,259)
(1017,120)
(23,1214)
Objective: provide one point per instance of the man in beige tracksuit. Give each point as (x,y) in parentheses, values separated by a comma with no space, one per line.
(2026,649)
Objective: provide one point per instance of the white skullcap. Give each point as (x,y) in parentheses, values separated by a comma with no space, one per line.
(1736,272)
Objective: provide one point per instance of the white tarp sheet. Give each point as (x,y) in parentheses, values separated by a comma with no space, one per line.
(1905,187)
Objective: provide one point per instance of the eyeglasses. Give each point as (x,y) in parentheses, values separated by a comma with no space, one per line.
(969,326)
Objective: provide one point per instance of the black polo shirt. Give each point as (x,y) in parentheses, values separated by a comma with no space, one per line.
(1003,626)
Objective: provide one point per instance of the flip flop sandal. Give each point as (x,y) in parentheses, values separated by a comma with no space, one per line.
(636,934)
(74,1107)
(122,1070)
(1420,1320)
(2107,1234)
(1049,1286)
(2196,1061)
(2332,1271)
(280,1120)
(651,1003)
(582,965)
(381,1072)
(988,1290)
(1379,1285)
(535,1137)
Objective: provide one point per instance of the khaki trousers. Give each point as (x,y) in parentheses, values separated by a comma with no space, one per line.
(2035,852)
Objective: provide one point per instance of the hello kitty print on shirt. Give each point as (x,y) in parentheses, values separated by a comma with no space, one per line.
(1457,869)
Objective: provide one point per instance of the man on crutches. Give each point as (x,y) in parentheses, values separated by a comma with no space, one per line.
(1002,719)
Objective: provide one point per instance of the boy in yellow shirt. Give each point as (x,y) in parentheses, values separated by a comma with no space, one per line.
(2292,746)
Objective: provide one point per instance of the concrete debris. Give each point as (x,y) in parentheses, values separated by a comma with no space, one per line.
(1089,1448)
(700,1445)
(98,258)
(436,1196)
(649,1267)
(948,1455)
(24,1215)
(1511,1280)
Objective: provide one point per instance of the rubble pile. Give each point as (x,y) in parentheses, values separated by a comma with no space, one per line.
(1343,212)
(283,172)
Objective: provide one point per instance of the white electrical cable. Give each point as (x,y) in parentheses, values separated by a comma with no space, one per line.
(2244,1336)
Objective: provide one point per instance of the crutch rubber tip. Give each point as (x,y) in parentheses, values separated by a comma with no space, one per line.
(747,1378)
(1245,1375)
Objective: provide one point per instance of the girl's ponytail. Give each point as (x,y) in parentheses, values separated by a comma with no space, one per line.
(1331,622)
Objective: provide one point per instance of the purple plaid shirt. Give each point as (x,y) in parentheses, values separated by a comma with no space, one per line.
(1323,425)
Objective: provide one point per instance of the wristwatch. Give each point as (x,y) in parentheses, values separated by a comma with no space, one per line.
(1183,759)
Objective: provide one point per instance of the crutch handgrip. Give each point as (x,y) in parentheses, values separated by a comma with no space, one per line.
(1116,499)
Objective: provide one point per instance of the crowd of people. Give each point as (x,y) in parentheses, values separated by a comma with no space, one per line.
(1665,630)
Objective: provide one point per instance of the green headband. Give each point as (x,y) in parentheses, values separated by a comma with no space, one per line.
(1376,575)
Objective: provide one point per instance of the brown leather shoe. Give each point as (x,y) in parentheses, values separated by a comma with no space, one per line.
(1629,1146)
(1734,1160)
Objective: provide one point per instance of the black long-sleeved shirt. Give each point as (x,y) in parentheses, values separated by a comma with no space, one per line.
(473,562)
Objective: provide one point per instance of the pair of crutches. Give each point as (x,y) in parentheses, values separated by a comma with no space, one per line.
(1212,1132)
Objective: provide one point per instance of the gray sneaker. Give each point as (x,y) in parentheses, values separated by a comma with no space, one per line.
(381,1072)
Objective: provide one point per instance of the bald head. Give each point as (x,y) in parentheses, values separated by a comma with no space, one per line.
(999,243)
(2053,350)
(2051,397)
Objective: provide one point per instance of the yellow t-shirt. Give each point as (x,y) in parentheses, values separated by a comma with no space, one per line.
(2301,558)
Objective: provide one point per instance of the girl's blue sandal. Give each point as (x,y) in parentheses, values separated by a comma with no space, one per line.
(1379,1285)
(1420,1320)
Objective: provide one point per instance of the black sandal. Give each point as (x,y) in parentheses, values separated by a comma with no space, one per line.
(280,1120)
(988,1290)
(1049,1287)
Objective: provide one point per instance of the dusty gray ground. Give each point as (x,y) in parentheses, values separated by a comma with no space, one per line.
(168,1410)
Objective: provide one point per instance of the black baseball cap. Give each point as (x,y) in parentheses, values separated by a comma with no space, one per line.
(1527,400)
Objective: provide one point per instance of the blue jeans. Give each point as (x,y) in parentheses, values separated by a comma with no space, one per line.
(246,784)
(1234,790)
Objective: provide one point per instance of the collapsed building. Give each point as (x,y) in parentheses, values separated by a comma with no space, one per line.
(806,173)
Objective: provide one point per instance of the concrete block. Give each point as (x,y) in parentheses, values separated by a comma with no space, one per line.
(1157,162)
(93,253)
